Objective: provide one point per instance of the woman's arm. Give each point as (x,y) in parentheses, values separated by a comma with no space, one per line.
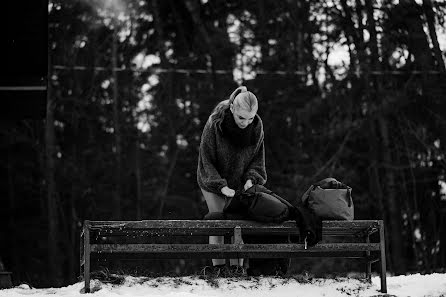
(208,177)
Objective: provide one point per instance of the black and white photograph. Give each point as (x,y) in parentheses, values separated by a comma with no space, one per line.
(218,148)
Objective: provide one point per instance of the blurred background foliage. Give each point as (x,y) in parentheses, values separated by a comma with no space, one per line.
(353,89)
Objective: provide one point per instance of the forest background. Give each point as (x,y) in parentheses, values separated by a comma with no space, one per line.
(353,89)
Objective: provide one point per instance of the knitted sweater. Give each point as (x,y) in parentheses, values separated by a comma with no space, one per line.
(222,164)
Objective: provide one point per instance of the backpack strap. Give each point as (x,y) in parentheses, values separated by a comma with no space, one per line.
(349,194)
(310,225)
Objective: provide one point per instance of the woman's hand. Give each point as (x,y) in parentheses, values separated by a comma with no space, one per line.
(228,192)
(248,184)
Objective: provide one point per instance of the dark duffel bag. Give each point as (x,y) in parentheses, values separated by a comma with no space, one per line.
(330,200)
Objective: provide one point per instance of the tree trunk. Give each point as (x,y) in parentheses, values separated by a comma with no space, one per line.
(262,37)
(374,180)
(53,222)
(299,42)
(418,43)
(11,220)
(166,106)
(117,130)
(373,41)
(172,144)
(180,25)
(194,11)
(410,211)
(352,37)
(138,177)
(72,215)
(172,163)
(412,203)
(430,18)
(442,251)
(393,204)
(300,11)
(393,223)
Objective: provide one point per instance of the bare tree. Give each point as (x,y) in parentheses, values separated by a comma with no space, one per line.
(387,192)
(117,129)
(50,170)
(430,18)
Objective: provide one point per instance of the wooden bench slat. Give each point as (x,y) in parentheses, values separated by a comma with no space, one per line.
(301,254)
(206,232)
(184,224)
(219,227)
(197,224)
(188,232)
(223,248)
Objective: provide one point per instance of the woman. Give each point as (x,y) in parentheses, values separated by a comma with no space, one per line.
(232,153)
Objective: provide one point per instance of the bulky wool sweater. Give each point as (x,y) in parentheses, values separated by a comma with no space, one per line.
(221,164)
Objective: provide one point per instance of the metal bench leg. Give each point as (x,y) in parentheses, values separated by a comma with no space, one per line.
(238,235)
(87,256)
(227,241)
(382,241)
(238,240)
(368,264)
(81,255)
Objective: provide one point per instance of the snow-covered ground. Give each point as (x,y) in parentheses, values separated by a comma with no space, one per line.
(409,285)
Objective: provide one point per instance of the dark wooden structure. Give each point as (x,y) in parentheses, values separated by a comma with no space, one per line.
(5,280)
(5,277)
(361,239)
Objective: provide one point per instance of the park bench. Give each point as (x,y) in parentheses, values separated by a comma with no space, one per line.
(360,239)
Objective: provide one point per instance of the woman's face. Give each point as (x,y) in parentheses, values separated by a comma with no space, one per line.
(243,117)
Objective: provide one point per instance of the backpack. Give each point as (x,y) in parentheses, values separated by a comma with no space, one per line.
(261,204)
(258,204)
(330,200)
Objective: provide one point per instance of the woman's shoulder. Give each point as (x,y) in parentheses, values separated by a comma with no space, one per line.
(211,125)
